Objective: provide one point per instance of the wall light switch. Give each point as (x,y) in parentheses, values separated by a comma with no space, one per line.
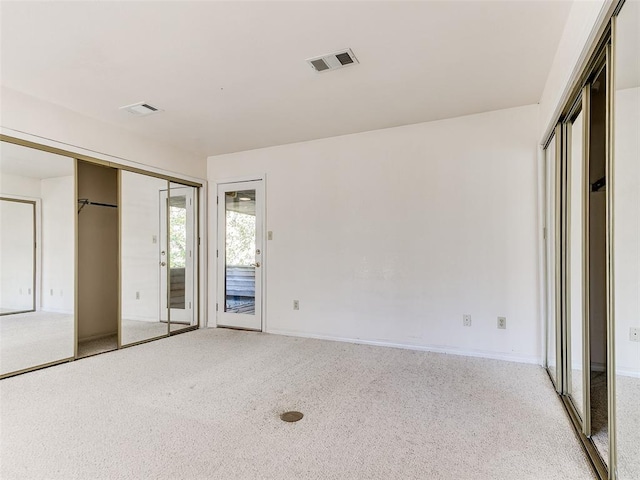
(269,235)
(154,239)
(137,295)
(634,334)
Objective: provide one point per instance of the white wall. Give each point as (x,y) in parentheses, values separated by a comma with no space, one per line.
(140,253)
(626,191)
(20,186)
(582,20)
(391,236)
(24,113)
(58,238)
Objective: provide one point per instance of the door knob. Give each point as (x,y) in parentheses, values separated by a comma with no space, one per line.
(257,264)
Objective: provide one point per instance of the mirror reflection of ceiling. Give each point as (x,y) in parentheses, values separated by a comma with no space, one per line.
(31,163)
(242,202)
(628,47)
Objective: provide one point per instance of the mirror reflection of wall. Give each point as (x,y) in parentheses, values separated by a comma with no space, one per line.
(17,255)
(626,193)
(44,181)
(142,258)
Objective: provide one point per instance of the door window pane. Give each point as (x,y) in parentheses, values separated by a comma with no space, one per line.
(240,252)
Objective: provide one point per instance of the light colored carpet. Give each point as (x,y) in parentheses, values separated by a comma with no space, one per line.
(35,338)
(137,330)
(206,405)
(576,394)
(600,414)
(628,427)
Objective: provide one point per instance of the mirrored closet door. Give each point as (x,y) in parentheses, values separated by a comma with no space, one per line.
(575,268)
(552,270)
(37,243)
(143,258)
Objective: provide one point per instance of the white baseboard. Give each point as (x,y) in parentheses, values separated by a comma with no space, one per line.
(141,318)
(56,310)
(508,357)
(627,372)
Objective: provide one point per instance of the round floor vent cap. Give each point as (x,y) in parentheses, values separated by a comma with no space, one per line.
(291,416)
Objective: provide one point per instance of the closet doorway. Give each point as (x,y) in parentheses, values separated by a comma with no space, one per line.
(97,259)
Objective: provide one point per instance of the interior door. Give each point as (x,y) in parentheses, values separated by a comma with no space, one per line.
(177,255)
(239,255)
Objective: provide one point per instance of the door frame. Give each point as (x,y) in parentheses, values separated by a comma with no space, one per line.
(37,248)
(216,247)
(191,290)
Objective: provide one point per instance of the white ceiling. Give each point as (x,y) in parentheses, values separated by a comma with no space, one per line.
(32,163)
(232,76)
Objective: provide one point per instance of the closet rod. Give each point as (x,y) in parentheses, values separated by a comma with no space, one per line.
(86,201)
(599,184)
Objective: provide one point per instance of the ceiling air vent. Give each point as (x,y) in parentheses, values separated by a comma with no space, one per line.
(333,61)
(141,109)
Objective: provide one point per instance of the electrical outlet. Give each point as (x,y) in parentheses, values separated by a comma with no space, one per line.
(634,334)
(466,320)
(296,305)
(137,295)
(502,322)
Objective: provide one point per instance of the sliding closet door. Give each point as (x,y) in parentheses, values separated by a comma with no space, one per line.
(551,264)
(143,258)
(626,239)
(576,247)
(37,243)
